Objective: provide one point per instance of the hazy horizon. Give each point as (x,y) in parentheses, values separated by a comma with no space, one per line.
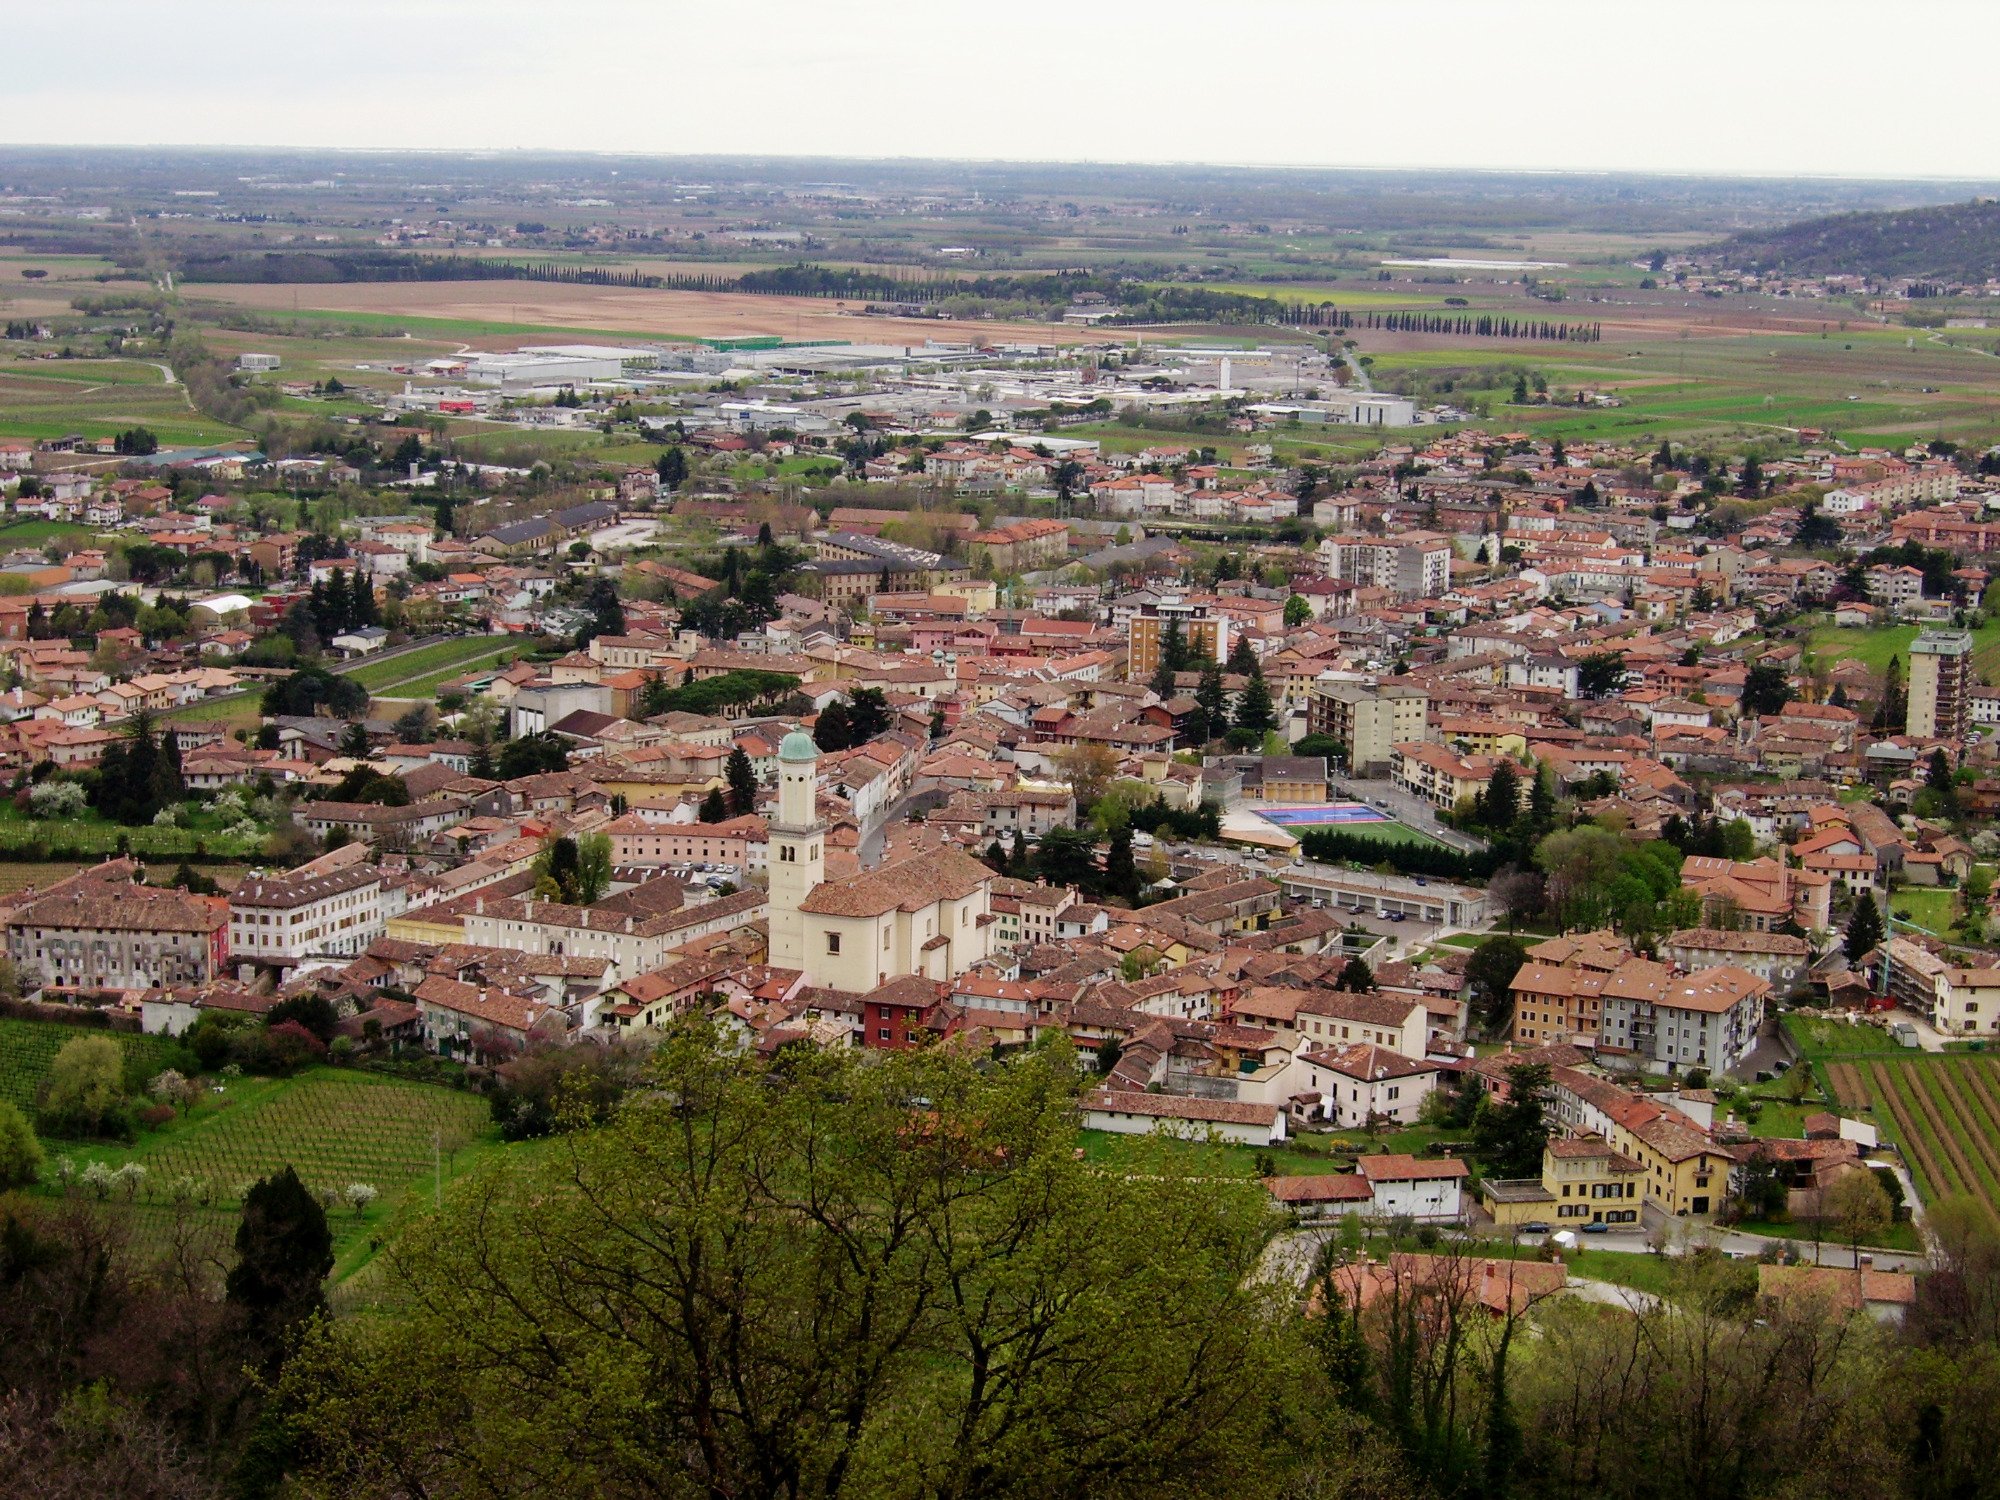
(1547,87)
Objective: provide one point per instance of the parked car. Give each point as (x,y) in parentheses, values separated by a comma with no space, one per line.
(1598,1227)
(1537,1227)
(1395,916)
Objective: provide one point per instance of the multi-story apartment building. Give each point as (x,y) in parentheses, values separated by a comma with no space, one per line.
(1441,777)
(1707,1020)
(1940,685)
(1205,633)
(329,908)
(1415,565)
(101,929)
(1371,721)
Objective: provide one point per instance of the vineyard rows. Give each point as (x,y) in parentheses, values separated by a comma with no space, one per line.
(333,1128)
(1943,1110)
(28,1047)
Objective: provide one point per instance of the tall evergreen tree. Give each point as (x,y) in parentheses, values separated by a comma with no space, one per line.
(1864,929)
(1542,796)
(1501,802)
(284,1251)
(1254,710)
(742,783)
(1213,701)
(831,732)
(1121,875)
(339,608)
(1173,649)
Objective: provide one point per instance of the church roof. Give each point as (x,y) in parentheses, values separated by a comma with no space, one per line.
(908,885)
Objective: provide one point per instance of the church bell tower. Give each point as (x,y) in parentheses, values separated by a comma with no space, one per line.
(798,848)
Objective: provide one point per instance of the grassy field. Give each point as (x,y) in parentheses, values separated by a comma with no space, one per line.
(100,398)
(1697,372)
(1943,1110)
(28,1047)
(235,708)
(1873,648)
(91,834)
(1386,833)
(1303,1156)
(36,533)
(427,685)
(334,1127)
(1901,1237)
(1819,1039)
(442,656)
(1933,909)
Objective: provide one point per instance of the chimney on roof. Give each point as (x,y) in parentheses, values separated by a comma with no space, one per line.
(1864,1263)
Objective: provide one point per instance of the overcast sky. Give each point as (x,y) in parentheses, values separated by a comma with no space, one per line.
(1748,86)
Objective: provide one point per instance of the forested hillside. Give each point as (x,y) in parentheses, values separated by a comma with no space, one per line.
(1956,242)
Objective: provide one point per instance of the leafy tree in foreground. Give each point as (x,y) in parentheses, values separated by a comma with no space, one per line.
(86,1087)
(20,1152)
(794,1271)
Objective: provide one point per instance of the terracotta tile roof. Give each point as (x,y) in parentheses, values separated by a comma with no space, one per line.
(1392,1168)
(909,885)
(1333,1187)
(1174,1107)
(105,899)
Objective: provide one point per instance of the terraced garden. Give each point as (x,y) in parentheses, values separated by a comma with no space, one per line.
(1943,1110)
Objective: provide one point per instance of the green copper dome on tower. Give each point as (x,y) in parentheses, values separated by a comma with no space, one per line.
(798,746)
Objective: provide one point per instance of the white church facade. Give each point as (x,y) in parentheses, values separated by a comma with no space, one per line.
(929,915)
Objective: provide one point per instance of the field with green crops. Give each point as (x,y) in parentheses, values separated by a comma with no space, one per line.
(28,1047)
(1942,1109)
(332,1126)
(83,836)
(1874,648)
(34,533)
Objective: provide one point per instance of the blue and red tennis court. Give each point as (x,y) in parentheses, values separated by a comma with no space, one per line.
(1324,815)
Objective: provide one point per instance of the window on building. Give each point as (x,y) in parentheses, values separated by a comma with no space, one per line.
(833,942)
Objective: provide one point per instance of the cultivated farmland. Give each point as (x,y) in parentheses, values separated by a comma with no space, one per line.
(1944,1111)
(333,1127)
(28,1047)
(99,398)
(471,309)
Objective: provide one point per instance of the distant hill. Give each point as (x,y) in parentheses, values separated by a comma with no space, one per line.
(1953,242)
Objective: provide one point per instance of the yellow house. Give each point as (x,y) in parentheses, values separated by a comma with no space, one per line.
(1480,736)
(1685,1172)
(1591,1182)
(1583,1181)
(980,594)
